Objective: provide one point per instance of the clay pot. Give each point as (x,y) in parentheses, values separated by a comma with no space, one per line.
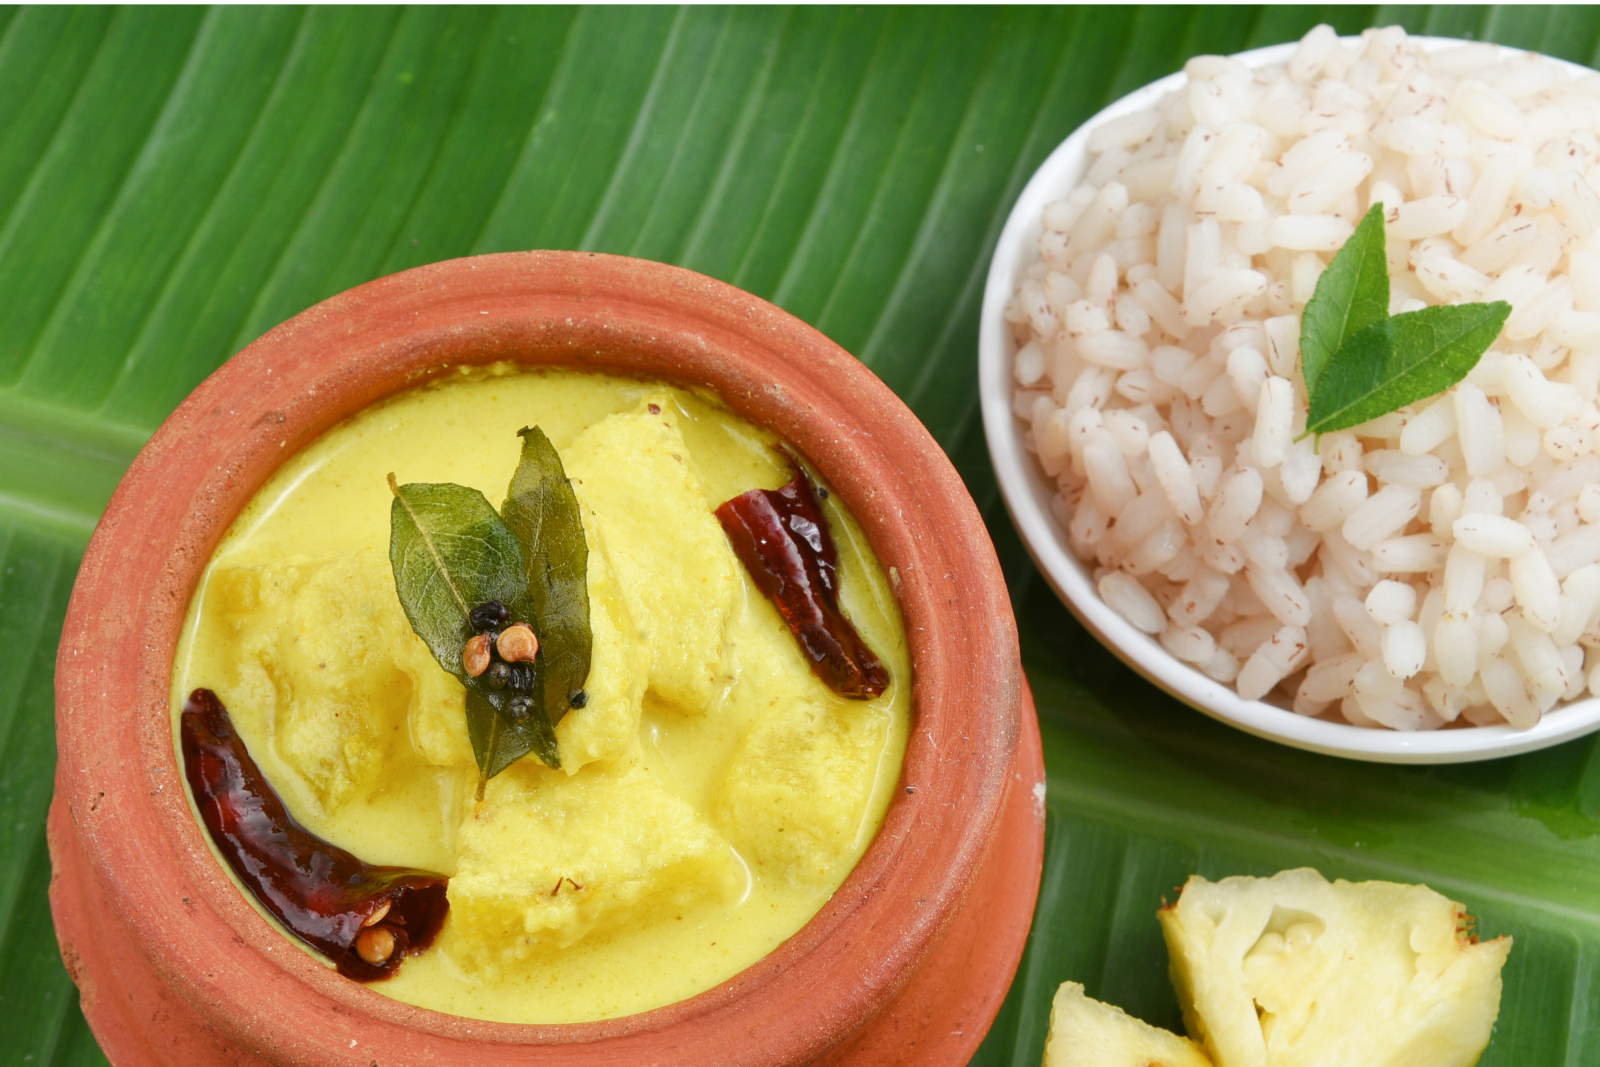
(907,963)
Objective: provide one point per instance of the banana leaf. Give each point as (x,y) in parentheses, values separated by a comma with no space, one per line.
(175,181)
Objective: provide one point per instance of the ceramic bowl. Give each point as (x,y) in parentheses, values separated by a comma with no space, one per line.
(909,959)
(1027,494)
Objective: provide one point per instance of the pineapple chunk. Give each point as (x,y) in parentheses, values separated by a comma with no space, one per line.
(794,795)
(678,579)
(1290,971)
(324,657)
(1087,1033)
(547,860)
(608,725)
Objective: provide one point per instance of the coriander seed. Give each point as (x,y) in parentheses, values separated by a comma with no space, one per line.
(517,643)
(476,656)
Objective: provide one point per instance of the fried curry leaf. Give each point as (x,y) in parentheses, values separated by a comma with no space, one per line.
(498,741)
(542,510)
(450,552)
(1351,295)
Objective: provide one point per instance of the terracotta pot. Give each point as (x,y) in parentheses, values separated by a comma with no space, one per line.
(907,963)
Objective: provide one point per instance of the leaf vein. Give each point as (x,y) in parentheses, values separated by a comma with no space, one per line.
(433,549)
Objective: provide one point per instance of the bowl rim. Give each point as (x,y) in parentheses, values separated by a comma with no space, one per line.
(117,777)
(1027,495)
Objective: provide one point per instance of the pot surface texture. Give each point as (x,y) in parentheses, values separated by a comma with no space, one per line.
(909,961)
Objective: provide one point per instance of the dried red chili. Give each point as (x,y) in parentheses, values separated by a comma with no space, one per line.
(782,538)
(322,893)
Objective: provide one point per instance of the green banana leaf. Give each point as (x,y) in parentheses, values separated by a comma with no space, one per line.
(175,181)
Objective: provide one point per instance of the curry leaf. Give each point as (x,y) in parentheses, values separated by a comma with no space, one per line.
(1400,360)
(1352,295)
(450,552)
(542,510)
(498,740)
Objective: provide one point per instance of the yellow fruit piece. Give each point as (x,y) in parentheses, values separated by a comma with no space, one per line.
(678,577)
(796,793)
(1087,1033)
(323,655)
(438,703)
(1292,971)
(548,859)
(619,665)
(794,796)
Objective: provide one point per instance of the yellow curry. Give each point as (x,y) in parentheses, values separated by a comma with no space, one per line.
(712,794)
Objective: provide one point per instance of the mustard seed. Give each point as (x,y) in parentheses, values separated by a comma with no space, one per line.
(522,678)
(488,615)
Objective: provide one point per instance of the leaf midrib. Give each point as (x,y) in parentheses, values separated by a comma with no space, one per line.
(433,549)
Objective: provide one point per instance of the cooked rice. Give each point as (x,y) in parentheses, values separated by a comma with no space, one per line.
(1438,565)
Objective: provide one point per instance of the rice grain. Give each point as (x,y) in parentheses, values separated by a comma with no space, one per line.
(1436,565)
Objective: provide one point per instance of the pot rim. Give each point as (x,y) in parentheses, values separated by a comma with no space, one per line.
(588,310)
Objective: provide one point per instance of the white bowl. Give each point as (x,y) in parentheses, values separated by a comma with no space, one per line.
(1027,494)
